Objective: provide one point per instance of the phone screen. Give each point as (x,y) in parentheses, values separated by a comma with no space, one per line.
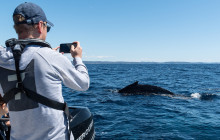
(65,47)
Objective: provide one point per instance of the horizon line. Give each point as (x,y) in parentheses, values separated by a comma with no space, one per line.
(180,62)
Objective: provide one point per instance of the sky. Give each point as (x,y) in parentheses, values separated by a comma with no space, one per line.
(130,30)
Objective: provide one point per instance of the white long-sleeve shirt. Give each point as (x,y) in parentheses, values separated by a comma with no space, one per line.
(44,71)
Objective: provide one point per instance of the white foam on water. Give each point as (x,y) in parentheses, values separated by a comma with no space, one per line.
(196,95)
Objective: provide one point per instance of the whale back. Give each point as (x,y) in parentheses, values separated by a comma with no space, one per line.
(135,89)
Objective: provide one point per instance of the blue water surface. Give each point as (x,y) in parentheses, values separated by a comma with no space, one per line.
(152,117)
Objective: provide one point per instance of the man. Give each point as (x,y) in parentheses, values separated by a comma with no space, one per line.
(43,71)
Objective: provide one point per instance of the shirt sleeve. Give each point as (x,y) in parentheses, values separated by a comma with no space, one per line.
(73,74)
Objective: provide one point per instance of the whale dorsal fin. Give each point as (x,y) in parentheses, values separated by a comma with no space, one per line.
(135,83)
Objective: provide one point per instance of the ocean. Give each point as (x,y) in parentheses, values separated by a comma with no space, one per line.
(153,117)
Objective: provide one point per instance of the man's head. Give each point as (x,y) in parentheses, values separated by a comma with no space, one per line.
(30,21)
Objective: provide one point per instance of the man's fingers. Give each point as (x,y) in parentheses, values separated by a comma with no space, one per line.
(56,48)
(77,43)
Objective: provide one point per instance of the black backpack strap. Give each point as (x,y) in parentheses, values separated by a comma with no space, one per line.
(10,94)
(29,41)
(44,100)
(17,51)
(35,97)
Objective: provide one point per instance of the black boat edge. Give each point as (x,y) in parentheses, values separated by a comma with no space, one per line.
(81,124)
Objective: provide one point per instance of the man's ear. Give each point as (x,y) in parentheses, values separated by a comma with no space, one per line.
(40,28)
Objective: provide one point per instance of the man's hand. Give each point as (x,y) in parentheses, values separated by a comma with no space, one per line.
(55,49)
(76,52)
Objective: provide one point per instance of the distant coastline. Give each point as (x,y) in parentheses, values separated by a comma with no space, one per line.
(124,62)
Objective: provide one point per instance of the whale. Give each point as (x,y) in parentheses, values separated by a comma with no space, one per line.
(138,89)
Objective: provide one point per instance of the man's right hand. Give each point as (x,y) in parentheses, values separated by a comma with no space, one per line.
(76,52)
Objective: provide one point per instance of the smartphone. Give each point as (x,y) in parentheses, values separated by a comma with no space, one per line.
(65,47)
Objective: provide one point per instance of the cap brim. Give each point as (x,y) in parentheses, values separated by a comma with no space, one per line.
(50,23)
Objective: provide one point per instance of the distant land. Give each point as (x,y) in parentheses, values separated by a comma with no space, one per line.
(124,62)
